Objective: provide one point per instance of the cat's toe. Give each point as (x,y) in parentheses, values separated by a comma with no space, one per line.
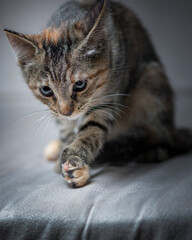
(76,174)
(78,177)
(70,173)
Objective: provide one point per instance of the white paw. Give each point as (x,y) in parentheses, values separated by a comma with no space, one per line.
(52,151)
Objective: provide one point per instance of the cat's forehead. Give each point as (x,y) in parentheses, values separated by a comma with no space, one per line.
(55,43)
(62,71)
(63,61)
(59,40)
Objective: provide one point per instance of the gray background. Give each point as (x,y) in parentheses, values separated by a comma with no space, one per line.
(168,22)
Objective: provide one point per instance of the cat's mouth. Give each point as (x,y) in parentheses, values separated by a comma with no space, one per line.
(71,117)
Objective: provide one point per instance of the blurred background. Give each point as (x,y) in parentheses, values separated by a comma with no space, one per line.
(168,22)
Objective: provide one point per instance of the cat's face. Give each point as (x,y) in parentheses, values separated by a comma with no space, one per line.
(67,80)
(65,67)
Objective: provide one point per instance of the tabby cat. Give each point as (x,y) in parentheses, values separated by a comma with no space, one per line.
(96,69)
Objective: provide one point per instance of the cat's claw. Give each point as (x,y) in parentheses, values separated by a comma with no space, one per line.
(75,172)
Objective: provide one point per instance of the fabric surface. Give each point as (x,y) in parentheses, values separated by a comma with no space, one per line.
(136,201)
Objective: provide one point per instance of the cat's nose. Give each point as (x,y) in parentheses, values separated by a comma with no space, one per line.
(65,109)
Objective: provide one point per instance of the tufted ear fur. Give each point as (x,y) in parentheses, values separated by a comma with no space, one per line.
(94,16)
(93,29)
(24,47)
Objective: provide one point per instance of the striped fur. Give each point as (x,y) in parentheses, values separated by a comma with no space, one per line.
(127,94)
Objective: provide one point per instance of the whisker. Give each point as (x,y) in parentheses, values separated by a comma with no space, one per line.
(107,96)
(111,104)
(101,117)
(109,110)
(45,115)
(125,66)
(113,95)
(46,123)
(17,121)
(113,117)
(54,113)
(32,127)
(42,121)
(116,108)
(121,105)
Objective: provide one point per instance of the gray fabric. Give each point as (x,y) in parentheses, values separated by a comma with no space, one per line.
(139,201)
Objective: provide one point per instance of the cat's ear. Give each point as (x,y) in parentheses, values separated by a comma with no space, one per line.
(92,27)
(94,17)
(24,47)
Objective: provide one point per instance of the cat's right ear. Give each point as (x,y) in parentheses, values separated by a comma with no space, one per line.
(24,47)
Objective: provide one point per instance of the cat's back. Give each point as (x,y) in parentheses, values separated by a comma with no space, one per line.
(72,11)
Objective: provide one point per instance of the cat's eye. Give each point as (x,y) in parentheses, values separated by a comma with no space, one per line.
(46,91)
(80,85)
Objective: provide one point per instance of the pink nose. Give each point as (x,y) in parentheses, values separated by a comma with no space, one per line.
(65,109)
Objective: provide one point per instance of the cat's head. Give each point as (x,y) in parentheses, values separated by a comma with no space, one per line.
(66,67)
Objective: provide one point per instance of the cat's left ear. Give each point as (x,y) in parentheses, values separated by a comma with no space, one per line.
(94,16)
(24,47)
(92,26)
(92,21)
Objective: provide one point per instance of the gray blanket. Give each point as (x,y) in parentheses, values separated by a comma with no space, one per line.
(137,201)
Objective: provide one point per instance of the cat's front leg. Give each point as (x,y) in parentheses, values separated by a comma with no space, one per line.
(66,136)
(76,158)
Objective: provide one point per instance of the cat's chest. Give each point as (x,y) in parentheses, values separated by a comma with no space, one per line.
(77,125)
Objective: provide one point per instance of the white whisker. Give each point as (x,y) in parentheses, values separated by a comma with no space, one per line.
(125,66)
(112,116)
(43,120)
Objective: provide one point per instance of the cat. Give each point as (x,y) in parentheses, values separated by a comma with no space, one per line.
(96,69)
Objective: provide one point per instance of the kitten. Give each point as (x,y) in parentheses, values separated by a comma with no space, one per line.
(96,69)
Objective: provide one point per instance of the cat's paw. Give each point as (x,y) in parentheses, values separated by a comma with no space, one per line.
(52,151)
(75,172)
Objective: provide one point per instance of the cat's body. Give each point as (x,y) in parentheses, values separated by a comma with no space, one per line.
(96,66)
